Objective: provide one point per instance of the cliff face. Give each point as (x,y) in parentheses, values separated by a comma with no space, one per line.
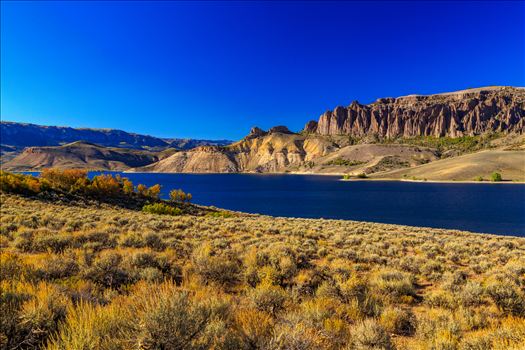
(468,112)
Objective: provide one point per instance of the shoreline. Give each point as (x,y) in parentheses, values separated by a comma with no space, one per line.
(515,182)
(333,174)
(511,182)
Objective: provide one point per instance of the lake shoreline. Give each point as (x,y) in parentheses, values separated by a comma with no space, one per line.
(333,175)
(514,182)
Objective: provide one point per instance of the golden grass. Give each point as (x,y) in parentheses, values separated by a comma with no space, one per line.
(103,277)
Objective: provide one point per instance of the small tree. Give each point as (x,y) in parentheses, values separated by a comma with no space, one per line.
(142,190)
(154,191)
(127,186)
(496,177)
(180,196)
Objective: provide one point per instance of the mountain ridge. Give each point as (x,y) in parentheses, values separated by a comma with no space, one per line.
(28,134)
(366,146)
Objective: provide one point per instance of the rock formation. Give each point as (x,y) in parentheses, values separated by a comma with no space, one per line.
(468,112)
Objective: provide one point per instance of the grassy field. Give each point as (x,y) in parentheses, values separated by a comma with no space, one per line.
(98,276)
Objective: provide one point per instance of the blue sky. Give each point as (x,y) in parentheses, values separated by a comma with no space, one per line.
(213,70)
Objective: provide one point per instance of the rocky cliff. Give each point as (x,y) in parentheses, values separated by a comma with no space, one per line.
(462,113)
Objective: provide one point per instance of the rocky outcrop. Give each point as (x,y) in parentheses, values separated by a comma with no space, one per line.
(278,151)
(275,150)
(468,112)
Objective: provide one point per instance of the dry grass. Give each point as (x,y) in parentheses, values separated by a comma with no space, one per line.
(103,277)
(469,167)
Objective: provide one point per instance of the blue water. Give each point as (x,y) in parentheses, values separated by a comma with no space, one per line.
(489,208)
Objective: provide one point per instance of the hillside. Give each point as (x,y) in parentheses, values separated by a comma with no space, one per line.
(278,150)
(81,155)
(72,275)
(469,167)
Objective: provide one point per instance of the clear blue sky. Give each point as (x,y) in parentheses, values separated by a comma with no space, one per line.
(213,70)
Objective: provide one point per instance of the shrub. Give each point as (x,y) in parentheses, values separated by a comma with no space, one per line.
(362,176)
(256,327)
(161,208)
(220,214)
(296,336)
(221,270)
(495,177)
(107,271)
(344,162)
(471,294)
(169,319)
(59,267)
(508,298)
(398,321)
(395,284)
(268,298)
(41,315)
(370,335)
(89,326)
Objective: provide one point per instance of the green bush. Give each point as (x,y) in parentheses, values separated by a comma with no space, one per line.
(344,162)
(161,208)
(496,177)
(220,214)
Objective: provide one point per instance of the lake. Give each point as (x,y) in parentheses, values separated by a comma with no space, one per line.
(489,208)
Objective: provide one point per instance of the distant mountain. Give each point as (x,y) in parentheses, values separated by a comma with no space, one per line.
(22,135)
(81,155)
(186,144)
(14,137)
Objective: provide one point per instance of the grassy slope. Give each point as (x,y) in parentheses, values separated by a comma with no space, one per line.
(511,164)
(255,281)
